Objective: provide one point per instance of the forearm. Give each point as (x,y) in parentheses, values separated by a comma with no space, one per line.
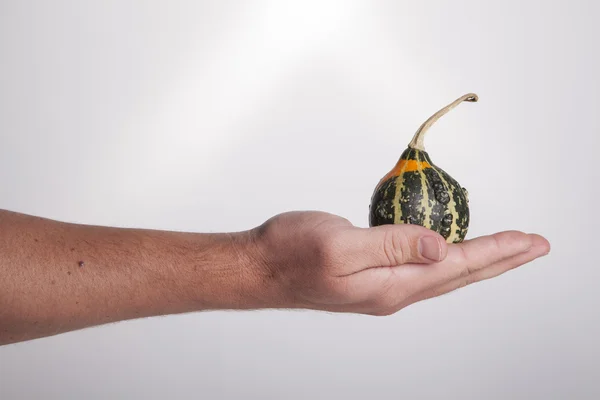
(57,277)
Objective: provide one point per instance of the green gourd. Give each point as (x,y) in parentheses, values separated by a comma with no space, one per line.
(416,191)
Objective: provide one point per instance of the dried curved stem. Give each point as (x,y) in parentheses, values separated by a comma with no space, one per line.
(417,140)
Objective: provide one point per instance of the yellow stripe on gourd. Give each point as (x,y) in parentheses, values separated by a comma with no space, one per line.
(425,198)
(451,207)
(399,187)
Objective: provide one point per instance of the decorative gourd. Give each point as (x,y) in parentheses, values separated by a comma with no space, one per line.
(416,191)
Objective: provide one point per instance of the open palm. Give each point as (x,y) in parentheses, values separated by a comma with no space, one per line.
(321,261)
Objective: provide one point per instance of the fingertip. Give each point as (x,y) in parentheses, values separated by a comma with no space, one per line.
(540,242)
(431,248)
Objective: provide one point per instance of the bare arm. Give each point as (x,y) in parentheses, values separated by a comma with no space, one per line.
(57,277)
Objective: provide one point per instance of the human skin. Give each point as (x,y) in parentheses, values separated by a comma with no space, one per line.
(57,277)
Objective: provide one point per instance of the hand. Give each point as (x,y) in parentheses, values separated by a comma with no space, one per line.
(321,261)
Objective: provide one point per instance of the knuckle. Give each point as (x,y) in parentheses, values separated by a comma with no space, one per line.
(496,245)
(395,247)
(465,268)
(465,271)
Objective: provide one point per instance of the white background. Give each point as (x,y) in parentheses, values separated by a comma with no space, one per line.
(213,116)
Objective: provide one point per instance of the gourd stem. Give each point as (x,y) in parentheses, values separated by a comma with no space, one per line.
(417,140)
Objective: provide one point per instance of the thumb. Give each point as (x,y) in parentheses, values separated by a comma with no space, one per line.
(393,245)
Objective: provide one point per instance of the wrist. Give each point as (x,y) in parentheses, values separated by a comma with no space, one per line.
(229,272)
(221,271)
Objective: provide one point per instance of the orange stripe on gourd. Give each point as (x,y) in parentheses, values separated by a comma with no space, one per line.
(405,166)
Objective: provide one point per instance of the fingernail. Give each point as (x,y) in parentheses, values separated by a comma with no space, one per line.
(430,248)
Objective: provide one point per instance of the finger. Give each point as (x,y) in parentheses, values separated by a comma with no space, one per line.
(462,260)
(391,245)
(479,253)
(473,255)
(540,248)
